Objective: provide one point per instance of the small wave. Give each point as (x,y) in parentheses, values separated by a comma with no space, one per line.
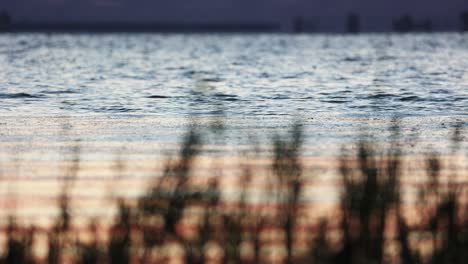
(18,96)
(334,101)
(226,97)
(192,73)
(116,109)
(386,57)
(440,91)
(340,78)
(59,92)
(295,76)
(410,98)
(352,59)
(380,96)
(436,73)
(359,106)
(338,97)
(264,75)
(214,79)
(158,97)
(379,80)
(189,73)
(280,97)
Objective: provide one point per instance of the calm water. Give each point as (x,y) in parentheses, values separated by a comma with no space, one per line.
(147,88)
(131,97)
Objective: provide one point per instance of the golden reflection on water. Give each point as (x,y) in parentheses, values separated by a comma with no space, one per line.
(37,176)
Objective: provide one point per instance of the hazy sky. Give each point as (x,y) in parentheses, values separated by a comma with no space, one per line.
(328,13)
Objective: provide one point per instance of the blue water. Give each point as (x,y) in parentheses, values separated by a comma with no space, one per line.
(337,85)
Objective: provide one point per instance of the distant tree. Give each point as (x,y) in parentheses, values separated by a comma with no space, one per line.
(464,18)
(406,23)
(426,25)
(304,25)
(403,24)
(5,20)
(298,25)
(353,23)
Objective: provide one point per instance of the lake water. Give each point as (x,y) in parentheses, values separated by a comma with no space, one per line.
(148,87)
(132,96)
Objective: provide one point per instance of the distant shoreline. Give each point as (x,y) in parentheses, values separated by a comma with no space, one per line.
(188,29)
(139,28)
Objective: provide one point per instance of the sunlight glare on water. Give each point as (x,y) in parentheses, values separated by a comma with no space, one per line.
(147,87)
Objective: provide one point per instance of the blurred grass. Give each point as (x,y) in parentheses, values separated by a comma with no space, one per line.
(179,221)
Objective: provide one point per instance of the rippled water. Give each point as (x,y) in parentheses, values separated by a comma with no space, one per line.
(146,87)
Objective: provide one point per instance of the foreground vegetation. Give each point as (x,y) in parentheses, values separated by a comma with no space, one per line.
(179,221)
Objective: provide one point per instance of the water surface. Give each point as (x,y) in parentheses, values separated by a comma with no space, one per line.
(148,87)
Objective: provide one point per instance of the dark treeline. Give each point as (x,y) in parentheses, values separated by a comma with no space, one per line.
(464,18)
(406,23)
(143,27)
(5,21)
(178,221)
(352,24)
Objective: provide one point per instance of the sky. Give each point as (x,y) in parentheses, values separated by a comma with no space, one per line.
(327,14)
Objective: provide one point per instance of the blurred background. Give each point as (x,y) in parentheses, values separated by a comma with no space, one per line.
(240,15)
